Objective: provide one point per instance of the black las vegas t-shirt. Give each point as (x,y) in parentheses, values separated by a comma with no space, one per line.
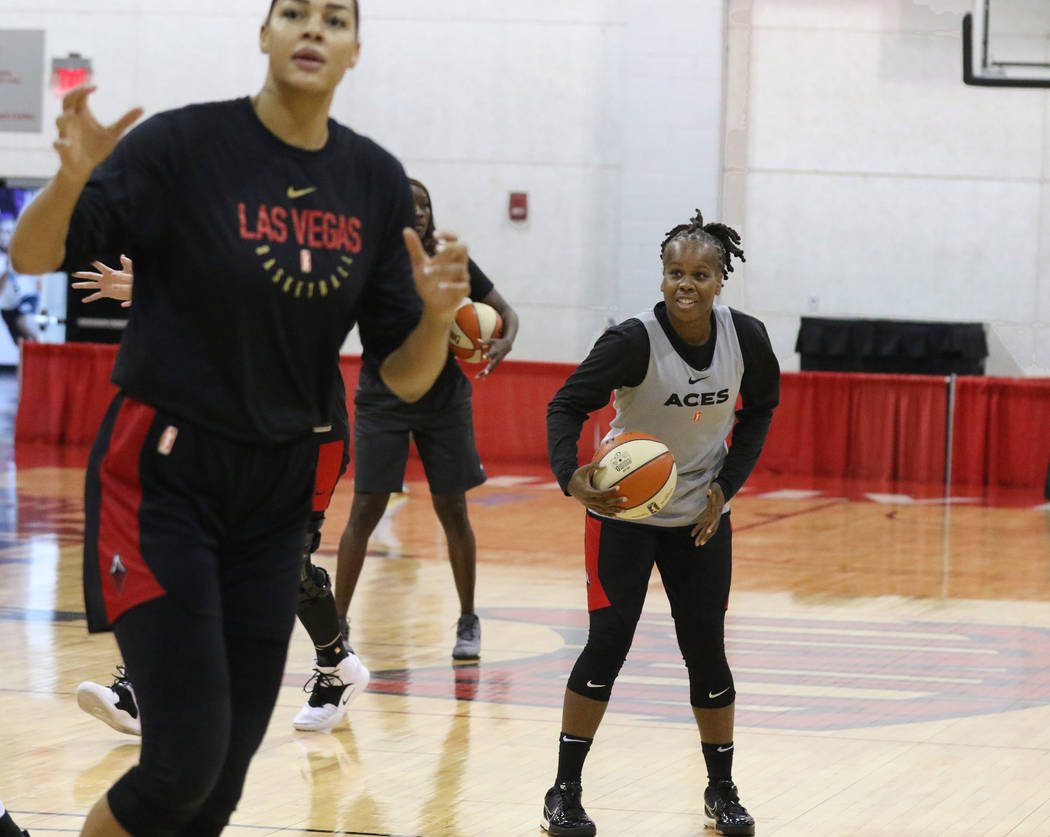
(253,260)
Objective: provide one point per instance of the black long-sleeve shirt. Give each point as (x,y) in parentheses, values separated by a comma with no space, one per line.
(253,260)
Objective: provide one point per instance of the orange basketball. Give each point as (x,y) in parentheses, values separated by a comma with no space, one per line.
(643,469)
(475,321)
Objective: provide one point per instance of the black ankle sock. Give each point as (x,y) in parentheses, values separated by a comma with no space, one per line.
(331,655)
(8,828)
(719,759)
(572,751)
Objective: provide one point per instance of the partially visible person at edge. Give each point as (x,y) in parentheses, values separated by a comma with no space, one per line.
(261,231)
(676,372)
(8,827)
(19,295)
(339,675)
(441,424)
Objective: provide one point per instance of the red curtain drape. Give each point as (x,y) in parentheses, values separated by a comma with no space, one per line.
(855,425)
(64,391)
(885,427)
(1001,432)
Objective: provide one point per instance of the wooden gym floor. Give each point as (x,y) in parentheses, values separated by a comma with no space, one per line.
(891,652)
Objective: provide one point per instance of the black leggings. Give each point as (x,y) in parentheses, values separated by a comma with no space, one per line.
(620,559)
(192,550)
(204,711)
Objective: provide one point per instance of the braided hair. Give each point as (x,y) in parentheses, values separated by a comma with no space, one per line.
(429,242)
(724,239)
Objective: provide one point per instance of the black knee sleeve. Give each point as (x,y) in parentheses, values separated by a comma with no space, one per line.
(602,657)
(710,680)
(711,690)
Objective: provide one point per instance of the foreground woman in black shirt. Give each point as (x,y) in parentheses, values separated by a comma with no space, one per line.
(261,232)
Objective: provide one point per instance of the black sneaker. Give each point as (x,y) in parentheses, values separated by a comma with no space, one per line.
(468,638)
(723,810)
(563,814)
(9,827)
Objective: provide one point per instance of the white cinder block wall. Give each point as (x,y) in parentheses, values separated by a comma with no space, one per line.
(867,180)
(871,182)
(606,112)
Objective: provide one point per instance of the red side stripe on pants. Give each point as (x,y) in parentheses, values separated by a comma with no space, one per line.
(329,465)
(592,537)
(126,580)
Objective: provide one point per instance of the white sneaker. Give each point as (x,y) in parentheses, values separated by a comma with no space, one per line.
(116,704)
(333,689)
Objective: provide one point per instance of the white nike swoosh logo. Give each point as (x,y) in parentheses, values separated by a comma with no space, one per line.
(725,749)
(713,695)
(595,686)
(575,740)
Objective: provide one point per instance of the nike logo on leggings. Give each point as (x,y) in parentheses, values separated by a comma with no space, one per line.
(713,695)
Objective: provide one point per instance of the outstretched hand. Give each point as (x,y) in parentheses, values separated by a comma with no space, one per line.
(82,141)
(107,283)
(441,280)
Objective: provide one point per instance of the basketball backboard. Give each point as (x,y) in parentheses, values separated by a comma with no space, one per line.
(1006,43)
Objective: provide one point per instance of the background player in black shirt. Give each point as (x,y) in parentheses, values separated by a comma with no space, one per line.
(442,426)
(262,231)
(676,372)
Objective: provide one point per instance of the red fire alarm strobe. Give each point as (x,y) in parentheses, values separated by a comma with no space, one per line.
(69,72)
(519,206)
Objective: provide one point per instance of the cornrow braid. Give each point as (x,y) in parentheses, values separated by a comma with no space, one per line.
(726,239)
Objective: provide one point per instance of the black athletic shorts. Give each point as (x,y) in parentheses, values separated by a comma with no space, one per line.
(172,509)
(444,439)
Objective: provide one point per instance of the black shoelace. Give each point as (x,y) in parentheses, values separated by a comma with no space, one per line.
(571,799)
(324,687)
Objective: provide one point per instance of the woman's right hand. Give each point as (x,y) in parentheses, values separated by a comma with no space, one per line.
(82,142)
(605,501)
